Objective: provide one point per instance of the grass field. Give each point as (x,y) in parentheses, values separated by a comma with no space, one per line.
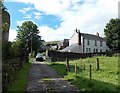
(105,79)
(21,79)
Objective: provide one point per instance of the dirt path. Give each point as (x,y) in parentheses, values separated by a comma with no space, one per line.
(45,79)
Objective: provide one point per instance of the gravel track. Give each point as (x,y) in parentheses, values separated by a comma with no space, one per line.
(44,79)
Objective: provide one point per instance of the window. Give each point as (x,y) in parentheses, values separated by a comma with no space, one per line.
(106,50)
(100,43)
(100,50)
(96,50)
(86,50)
(95,43)
(88,42)
(89,50)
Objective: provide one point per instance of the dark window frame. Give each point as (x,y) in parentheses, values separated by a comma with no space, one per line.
(88,42)
(86,50)
(89,49)
(95,42)
(101,43)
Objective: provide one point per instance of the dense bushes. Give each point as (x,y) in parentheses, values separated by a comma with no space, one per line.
(10,67)
(13,59)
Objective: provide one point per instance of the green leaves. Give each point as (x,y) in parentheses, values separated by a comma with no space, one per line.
(28,36)
(112,32)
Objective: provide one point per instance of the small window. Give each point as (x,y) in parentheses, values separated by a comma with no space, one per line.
(88,42)
(89,50)
(86,50)
(100,50)
(100,43)
(96,50)
(95,43)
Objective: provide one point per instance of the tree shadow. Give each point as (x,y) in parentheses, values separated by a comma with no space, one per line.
(85,84)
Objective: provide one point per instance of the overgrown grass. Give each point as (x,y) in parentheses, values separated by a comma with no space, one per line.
(21,78)
(61,68)
(106,79)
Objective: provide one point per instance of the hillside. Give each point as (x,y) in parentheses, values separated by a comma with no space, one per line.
(52,42)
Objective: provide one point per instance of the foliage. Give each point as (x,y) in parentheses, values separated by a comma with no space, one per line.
(9,70)
(13,54)
(21,79)
(106,79)
(28,37)
(112,33)
(6,54)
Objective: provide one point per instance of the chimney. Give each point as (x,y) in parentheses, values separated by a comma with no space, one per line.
(76,30)
(79,37)
(97,34)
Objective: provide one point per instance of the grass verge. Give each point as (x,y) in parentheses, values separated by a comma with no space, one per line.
(105,79)
(21,79)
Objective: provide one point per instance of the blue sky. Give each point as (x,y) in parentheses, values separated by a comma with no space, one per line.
(16,15)
(57,19)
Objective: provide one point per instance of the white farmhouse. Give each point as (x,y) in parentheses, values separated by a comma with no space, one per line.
(86,43)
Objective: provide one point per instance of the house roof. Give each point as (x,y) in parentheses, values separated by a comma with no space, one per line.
(92,37)
(89,36)
(71,48)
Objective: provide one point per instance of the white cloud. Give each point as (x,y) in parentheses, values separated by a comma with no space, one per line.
(19,23)
(27,16)
(37,15)
(24,1)
(89,17)
(49,34)
(12,34)
(24,10)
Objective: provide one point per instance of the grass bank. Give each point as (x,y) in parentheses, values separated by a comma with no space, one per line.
(105,79)
(21,78)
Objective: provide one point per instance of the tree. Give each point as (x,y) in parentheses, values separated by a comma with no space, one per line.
(112,33)
(28,37)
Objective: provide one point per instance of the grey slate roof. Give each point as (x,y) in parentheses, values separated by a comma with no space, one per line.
(72,48)
(92,37)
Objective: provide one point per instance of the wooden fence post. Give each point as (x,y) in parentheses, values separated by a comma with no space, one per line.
(98,64)
(90,71)
(67,65)
(76,68)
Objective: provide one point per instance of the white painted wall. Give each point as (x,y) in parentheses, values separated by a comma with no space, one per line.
(92,46)
(74,40)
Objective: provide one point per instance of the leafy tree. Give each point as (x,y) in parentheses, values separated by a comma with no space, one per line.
(112,33)
(28,37)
